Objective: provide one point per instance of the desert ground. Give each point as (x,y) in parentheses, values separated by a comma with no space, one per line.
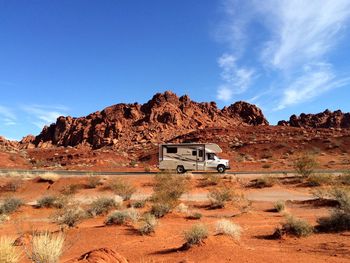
(251,208)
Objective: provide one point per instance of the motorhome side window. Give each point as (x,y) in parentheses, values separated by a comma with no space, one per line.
(200,153)
(194,153)
(171,150)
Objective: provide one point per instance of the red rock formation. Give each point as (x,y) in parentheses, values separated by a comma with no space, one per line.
(326,119)
(162,118)
(102,255)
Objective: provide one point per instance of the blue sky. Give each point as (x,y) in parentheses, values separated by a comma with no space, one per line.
(74,57)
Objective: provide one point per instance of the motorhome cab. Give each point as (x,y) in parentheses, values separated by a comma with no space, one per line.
(191,156)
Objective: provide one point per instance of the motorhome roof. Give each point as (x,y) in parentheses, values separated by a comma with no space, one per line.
(210,147)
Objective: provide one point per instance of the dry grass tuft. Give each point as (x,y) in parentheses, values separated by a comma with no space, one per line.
(195,235)
(8,252)
(47,247)
(225,227)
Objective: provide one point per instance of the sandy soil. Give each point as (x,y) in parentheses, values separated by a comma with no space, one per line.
(258,223)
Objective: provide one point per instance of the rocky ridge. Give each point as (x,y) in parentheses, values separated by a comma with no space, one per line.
(162,118)
(326,119)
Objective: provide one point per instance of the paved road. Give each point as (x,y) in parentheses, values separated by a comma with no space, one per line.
(82,173)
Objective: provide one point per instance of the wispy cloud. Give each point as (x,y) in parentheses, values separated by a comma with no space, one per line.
(43,114)
(7,116)
(294,43)
(235,79)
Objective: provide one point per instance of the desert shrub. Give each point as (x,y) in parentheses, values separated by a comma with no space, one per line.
(305,165)
(280,206)
(101,206)
(139,204)
(61,201)
(168,188)
(49,177)
(8,252)
(47,247)
(264,181)
(297,227)
(148,224)
(344,179)
(117,218)
(219,196)
(225,227)
(182,208)
(266,166)
(319,179)
(47,201)
(160,209)
(195,235)
(93,181)
(122,217)
(195,216)
(147,169)
(10,205)
(69,216)
(122,188)
(70,189)
(4,218)
(339,220)
(209,179)
(13,185)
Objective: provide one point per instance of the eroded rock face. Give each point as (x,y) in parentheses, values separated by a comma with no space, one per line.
(163,117)
(102,255)
(326,119)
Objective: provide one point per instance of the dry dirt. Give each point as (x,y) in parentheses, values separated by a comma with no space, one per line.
(258,223)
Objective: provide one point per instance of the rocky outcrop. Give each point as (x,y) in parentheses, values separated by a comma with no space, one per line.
(102,255)
(163,117)
(326,119)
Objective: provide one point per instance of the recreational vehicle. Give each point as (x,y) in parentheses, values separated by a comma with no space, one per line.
(191,156)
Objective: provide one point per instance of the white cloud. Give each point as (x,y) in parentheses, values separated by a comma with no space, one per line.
(7,116)
(43,114)
(235,79)
(296,43)
(315,80)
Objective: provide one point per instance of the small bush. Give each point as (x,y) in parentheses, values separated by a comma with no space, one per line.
(339,220)
(70,216)
(139,204)
(264,181)
(168,189)
(182,208)
(117,218)
(195,216)
(344,179)
(122,217)
(159,210)
(101,206)
(210,179)
(10,205)
(4,218)
(47,201)
(148,224)
(319,179)
(93,181)
(47,247)
(296,227)
(219,197)
(13,185)
(225,227)
(71,189)
(195,235)
(122,188)
(8,252)
(305,165)
(280,206)
(266,166)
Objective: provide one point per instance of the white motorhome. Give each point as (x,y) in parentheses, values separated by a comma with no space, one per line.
(191,156)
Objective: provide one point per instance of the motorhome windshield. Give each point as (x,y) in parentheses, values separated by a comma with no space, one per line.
(212,156)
